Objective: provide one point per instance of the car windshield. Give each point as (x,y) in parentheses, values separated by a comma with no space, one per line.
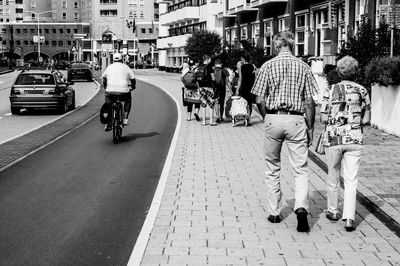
(35,79)
(79,66)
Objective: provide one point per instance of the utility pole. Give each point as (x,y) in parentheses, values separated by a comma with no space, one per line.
(11,50)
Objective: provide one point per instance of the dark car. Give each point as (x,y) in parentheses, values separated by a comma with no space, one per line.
(80,71)
(62,65)
(42,89)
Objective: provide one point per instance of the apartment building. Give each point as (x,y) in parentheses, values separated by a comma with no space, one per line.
(320,27)
(178,19)
(133,22)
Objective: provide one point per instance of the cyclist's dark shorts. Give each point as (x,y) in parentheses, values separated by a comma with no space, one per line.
(111,96)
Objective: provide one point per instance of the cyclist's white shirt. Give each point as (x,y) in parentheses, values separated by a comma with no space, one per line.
(118,77)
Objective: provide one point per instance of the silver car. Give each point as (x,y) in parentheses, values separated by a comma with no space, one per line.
(42,89)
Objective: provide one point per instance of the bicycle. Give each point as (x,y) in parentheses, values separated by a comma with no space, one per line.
(117,116)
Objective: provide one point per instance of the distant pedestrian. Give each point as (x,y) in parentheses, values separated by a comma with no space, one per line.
(194,92)
(206,88)
(220,78)
(345,109)
(184,65)
(246,81)
(285,87)
(52,63)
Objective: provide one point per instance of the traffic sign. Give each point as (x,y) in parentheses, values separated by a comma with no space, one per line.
(37,38)
(80,35)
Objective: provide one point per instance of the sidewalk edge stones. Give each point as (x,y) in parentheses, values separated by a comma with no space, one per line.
(144,235)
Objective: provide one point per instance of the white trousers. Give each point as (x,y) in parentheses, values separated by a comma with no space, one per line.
(345,160)
(293,129)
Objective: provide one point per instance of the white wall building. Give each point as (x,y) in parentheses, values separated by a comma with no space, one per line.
(178,19)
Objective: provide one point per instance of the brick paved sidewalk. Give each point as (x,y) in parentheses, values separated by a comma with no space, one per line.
(213,210)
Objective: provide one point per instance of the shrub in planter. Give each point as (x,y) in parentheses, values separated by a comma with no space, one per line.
(384,70)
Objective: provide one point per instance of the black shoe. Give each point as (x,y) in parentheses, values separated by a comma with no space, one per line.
(107,127)
(302,222)
(349,225)
(332,216)
(197,117)
(274,219)
(218,120)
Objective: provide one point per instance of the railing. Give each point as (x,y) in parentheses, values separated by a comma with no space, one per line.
(183,4)
(187,29)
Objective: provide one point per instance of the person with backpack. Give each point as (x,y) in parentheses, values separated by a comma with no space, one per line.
(190,82)
(245,83)
(220,78)
(205,82)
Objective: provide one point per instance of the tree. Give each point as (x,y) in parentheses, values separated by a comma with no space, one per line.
(203,42)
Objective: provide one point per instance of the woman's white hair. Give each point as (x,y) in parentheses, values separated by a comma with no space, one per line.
(347,66)
(284,38)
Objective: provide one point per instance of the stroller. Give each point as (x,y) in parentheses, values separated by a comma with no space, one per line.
(239,110)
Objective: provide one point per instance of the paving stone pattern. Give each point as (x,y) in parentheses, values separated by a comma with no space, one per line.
(214,211)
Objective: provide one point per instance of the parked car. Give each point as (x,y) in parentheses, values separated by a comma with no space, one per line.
(42,89)
(62,65)
(92,65)
(137,64)
(79,71)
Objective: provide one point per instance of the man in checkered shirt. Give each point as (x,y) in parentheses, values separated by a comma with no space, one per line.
(285,87)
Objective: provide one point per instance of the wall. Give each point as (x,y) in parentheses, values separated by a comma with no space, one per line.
(385,104)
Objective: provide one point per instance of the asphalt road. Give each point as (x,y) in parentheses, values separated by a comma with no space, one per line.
(82,200)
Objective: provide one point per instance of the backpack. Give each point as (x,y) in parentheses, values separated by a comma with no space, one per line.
(219,77)
(189,80)
(201,73)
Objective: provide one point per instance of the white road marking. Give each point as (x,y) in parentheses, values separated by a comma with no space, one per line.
(144,235)
(8,114)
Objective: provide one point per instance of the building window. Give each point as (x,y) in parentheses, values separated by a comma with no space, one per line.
(76,5)
(53,30)
(46,42)
(108,2)
(75,30)
(150,30)
(33,5)
(243,32)
(32,43)
(68,31)
(83,5)
(268,34)
(300,36)
(60,43)
(233,35)
(283,24)
(18,42)
(141,14)
(135,14)
(76,16)
(141,2)
(25,31)
(108,13)
(18,31)
(143,30)
(26,42)
(69,43)
(53,43)
(61,31)
(64,4)
(46,30)
(255,33)
(7,2)
(32,30)
(64,15)
(322,33)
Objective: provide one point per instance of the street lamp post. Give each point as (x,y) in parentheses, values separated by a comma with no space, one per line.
(37,15)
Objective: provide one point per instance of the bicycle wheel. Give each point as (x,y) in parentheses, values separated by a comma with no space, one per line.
(115,124)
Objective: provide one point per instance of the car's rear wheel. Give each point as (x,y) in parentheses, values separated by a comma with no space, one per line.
(63,107)
(73,104)
(15,110)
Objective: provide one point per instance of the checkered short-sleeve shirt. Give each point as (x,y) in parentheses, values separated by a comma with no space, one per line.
(285,82)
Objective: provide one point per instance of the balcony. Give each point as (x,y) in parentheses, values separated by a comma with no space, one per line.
(180,15)
(259,3)
(241,6)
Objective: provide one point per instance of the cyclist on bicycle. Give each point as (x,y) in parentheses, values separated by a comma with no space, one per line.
(116,80)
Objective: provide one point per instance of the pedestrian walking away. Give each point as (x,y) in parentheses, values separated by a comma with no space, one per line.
(285,87)
(246,82)
(220,78)
(190,93)
(345,108)
(206,88)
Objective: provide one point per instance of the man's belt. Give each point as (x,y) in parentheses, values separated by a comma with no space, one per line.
(283,112)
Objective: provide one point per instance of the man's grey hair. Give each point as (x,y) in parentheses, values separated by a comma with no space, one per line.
(284,39)
(347,66)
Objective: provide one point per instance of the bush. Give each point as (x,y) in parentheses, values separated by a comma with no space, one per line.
(384,70)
